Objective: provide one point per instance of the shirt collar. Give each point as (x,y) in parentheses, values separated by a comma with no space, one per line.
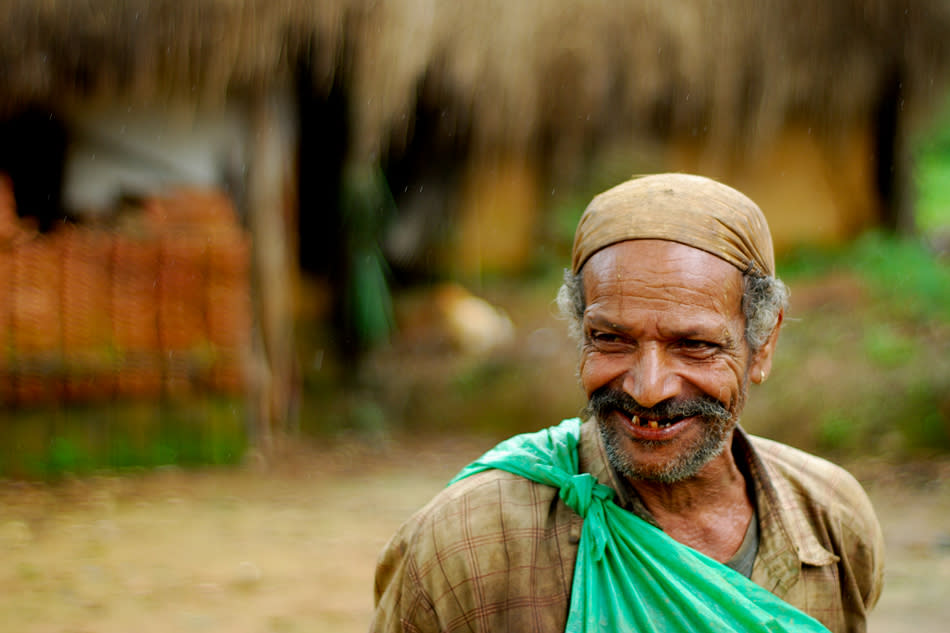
(787,539)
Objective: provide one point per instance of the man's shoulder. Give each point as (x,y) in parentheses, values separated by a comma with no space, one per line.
(801,467)
(490,498)
(494,548)
(483,524)
(804,479)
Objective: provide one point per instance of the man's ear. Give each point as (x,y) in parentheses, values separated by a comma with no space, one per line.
(761,365)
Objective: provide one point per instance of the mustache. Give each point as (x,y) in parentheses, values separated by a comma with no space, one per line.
(607,399)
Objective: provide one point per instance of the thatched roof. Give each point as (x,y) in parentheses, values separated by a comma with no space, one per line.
(731,70)
(197,51)
(510,73)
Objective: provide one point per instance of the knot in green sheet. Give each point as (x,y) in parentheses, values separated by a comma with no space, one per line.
(586,497)
(580,491)
(630,575)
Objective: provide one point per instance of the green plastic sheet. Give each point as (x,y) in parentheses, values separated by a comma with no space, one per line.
(629,575)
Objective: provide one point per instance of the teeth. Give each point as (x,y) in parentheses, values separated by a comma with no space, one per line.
(653,424)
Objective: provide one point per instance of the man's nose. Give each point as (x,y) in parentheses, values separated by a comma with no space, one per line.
(651,378)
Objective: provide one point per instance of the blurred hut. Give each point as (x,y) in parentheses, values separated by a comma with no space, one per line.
(428,136)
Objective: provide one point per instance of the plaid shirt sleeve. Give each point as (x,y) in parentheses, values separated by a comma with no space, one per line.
(493,552)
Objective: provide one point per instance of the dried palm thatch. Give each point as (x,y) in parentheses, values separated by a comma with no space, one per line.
(511,74)
(732,71)
(57,51)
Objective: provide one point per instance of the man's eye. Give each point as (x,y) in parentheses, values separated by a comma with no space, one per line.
(604,337)
(696,345)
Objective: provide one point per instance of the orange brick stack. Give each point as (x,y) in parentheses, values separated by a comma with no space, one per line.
(134,315)
(8,233)
(181,309)
(88,351)
(35,319)
(159,307)
(31,307)
(203,225)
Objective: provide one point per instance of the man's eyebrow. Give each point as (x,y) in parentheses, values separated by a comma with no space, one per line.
(601,323)
(720,336)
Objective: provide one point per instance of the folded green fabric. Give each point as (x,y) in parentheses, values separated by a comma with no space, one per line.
(629,575)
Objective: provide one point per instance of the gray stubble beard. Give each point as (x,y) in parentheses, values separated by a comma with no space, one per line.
(719,423)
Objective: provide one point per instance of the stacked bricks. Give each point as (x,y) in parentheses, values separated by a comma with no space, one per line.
(204,294)
(133,310)
(35,319)
(9,230)
(158,307)
(87,323)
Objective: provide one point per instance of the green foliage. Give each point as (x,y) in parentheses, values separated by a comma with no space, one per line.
(927,429)
(564,216)
(371,304)
(49,442)
(902,421)
(903,274)
(933,175)
(837,431)
(367,205)
(906,275)
(886,347)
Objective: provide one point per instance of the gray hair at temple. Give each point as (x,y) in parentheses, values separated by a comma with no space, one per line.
(691,210)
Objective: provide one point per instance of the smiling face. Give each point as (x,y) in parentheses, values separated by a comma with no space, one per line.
(664,362)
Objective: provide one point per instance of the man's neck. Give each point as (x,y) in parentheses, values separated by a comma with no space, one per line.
(710,511)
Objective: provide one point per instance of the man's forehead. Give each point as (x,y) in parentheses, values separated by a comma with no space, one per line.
(662,259)
(665,274)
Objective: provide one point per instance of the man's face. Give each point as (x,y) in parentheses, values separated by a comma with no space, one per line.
(664,363)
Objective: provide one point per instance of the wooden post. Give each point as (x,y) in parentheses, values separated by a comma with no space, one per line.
(894,162)
(273,377)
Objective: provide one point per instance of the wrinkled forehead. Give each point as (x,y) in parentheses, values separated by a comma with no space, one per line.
(690,210)
(667,277)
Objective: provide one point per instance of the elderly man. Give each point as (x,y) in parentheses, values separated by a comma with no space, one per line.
(659,512)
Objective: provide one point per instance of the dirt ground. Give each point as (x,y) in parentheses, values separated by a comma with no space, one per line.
(291,546)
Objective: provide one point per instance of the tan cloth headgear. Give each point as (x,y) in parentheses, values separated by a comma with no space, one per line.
(691,210)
